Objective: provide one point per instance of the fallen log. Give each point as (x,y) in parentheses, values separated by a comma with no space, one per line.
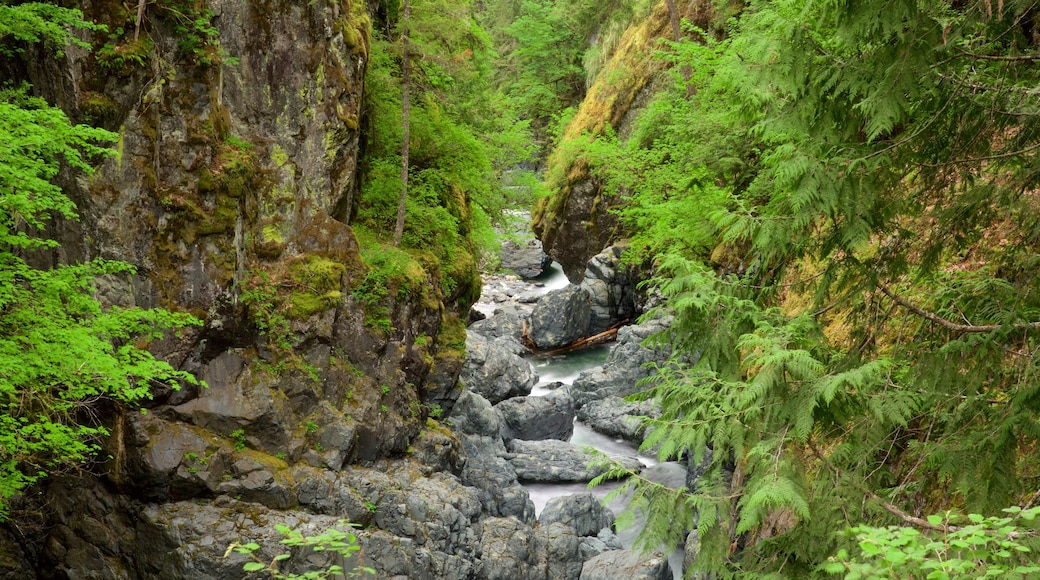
(608,335)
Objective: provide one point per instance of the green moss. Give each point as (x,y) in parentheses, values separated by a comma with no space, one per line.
(272,233)
(316,282)
(452,332)
(279,156)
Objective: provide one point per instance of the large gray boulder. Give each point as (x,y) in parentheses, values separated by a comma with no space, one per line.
(537,418)
(616,417)
(628,565)
(554,461)
(527,261)
(495,372)
(560,317)
(611,289)
(474,415)
(512,551)
(503,327)
(583,512)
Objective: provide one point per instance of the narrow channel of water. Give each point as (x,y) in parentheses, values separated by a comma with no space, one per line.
(566,369)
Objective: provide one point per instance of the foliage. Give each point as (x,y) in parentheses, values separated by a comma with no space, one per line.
(843,216)
(552,50)
(459,144)
(197,38)
(33,22)
(62,355)
(343,543)
(981,548)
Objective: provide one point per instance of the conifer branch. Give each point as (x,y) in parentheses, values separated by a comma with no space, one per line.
(954,326)
(888,507)
(1006,58)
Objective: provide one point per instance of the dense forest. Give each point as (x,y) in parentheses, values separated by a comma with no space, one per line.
(835,201)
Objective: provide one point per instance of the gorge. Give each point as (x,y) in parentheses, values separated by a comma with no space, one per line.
(254,282)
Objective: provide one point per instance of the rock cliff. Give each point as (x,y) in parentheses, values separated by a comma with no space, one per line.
(235,177)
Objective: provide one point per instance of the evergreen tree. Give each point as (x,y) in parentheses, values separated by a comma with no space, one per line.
(856,321)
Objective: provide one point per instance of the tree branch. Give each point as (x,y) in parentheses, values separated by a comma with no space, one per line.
(1009,58)
(888,507)
(954,326)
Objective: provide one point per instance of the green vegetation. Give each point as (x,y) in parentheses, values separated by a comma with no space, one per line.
(343,543)
(238,437)
(951,547)
(843,216)
(62,353)
(463,136)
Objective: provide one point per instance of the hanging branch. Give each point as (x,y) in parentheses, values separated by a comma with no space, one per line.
(954,326)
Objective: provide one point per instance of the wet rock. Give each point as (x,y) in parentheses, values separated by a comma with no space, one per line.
(14,562)
(562,557)
(438,449)
(527,260)
(582,512)
(503,327)
(616,417)
(507,546)
(554,461)
(537,418)
(602,542)
(513,551)
(239,397)
(495,479)
(626,564)
(495,372)
(560,317)
(436,512)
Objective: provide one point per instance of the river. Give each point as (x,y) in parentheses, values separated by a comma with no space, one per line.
(565,369)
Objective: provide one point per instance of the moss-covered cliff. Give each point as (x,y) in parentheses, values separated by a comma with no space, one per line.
(577,221)
(235,178)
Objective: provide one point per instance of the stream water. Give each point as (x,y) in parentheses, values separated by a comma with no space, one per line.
(565,369)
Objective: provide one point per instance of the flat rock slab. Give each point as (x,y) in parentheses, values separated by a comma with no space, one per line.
(554,461)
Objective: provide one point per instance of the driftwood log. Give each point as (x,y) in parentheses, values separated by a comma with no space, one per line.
(608,335)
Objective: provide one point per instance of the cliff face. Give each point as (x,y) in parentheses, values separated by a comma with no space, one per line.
(231,194)
(577,221)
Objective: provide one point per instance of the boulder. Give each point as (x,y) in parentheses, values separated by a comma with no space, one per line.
(527,260)
(606,539)
(240,398)
(503,327)
(537,418)
(512,551)
(474,415)
(625,366)
(626,564)
(494,372)
(582,512)
(611,290)
(560,317)
(617,417)
(554,461)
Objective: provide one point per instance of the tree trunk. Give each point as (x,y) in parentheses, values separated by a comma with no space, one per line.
(405,93)
(673,18)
